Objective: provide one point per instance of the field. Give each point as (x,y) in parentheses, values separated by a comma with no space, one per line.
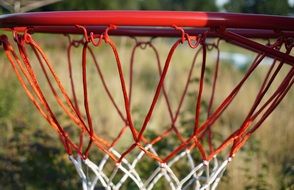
(31,156)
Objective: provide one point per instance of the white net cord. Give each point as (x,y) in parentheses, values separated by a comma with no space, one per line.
(202,176)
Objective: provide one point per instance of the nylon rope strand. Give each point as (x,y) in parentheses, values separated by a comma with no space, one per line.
(155,98)
(36,89)
(172,117)
(213,89)
(76,43)
(31,77)
(139,44)
(95,138)
(36,49)
(123,86)
(231,138)
(99,141)
(182,97)
(72,85)
(241,135)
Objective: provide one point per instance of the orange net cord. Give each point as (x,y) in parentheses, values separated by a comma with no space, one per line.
(199,140)
(256,116)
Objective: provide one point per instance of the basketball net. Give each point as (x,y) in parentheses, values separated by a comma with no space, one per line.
(196,161)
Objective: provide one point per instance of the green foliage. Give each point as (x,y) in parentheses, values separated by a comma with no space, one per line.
(92,5)
(27,162)
(8,98)
(29,157)
(200,5)
(255,180)
(148,78)
(287,179)
(278,7)
(151,4)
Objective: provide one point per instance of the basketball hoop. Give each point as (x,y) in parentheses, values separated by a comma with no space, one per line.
(180,154)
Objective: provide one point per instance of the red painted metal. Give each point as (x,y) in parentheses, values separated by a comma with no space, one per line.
(153,31)
(236,27)
(254,46)
(148,18)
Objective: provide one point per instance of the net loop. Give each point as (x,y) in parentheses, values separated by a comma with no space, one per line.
(215,44)
(75,43)
(193,41)
(91,37)
(278,43)
(143,44)
(27,36)
(289,43)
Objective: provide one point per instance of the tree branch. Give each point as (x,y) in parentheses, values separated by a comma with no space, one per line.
(24,6)
(36,5)
(7,5)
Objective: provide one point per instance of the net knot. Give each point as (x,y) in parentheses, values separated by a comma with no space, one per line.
(143,45)
(205,162)
(22,38)
(163,166)
(75,43)
(64,139)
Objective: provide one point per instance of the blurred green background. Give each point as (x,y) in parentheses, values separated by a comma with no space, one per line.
(279,7)
(31,156)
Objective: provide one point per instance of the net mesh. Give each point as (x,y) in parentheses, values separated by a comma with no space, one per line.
(182,154)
